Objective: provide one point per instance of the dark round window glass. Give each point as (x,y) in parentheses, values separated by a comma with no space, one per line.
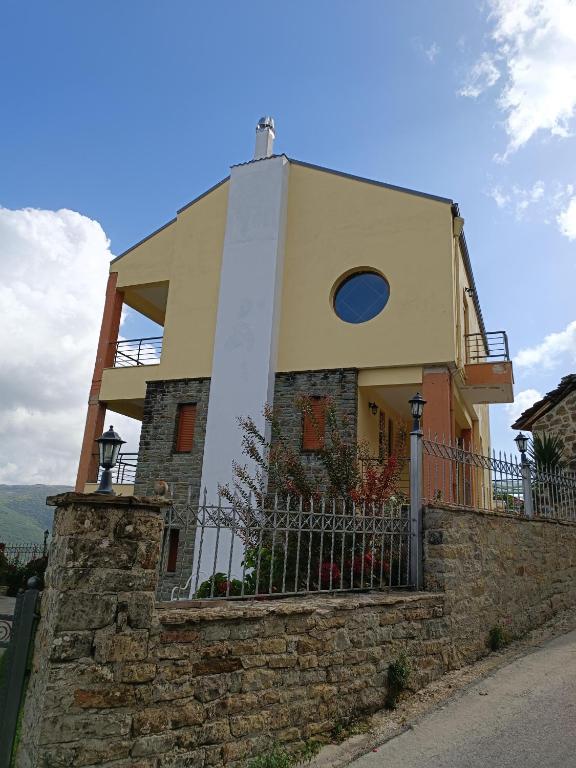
(361,297)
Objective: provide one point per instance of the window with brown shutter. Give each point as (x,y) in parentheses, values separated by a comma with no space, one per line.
(186,419)
(172,550)
(314,425)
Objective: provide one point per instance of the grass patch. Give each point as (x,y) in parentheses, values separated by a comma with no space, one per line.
(498,637)
(399,673)
(278,757)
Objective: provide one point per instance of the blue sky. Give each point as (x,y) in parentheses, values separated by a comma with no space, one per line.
(124,111)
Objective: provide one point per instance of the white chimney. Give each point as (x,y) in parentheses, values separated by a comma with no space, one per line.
(264,138)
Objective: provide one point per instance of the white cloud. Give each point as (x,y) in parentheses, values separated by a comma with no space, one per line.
(54,269)
(518,198)
(483,75)
(535,41)
(554,203)
(555,348)
(432,52)
(500,198)
(522,401)
(567,220)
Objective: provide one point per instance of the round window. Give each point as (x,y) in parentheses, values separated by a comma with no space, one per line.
(361,296)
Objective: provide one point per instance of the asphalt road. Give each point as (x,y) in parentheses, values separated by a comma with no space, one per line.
(524,716)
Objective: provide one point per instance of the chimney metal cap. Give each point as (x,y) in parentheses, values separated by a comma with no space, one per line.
(265,122)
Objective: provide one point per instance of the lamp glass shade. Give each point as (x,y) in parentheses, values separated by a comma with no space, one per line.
(522,442)
(109,448)
(417,404)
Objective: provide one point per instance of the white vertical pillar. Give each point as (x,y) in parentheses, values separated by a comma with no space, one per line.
(246,341)
(245,346)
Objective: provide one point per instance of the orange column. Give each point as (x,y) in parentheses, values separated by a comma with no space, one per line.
(88,466)
(438,424)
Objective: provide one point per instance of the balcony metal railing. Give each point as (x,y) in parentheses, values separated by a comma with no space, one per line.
(488,347)
(130,352)
(124,473)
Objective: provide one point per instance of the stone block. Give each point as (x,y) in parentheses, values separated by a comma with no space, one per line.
(113,646)
(137,672)
(216,666)
(156,744)
(191,713)
(96,751)
(139,608)
(67,646)
(58,728)
(104,697)
(151,720)
(85,610)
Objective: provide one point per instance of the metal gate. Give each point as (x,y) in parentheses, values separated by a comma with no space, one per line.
(16,633)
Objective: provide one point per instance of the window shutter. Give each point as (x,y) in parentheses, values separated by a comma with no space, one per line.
(172,550)
(314,425)
(185,428)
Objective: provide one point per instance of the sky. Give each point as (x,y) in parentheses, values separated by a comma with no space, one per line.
(114,115)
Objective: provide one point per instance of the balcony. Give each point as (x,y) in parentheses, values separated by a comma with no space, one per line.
(123,475)
(488,376)
(135,352)
(124,472)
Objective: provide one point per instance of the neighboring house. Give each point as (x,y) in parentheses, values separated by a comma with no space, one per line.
(555,414)
(288,278)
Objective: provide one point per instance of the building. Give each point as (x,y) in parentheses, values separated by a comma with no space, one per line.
(289,278)
(555,414)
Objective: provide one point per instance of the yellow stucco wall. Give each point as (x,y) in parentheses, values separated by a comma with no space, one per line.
(188,254)
(337,224)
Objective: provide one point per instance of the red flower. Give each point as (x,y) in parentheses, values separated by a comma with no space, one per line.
(329,575)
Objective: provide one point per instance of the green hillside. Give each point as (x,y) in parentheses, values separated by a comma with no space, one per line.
(24,515)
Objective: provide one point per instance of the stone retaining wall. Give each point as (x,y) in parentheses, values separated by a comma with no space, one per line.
(497,569)
(121,682)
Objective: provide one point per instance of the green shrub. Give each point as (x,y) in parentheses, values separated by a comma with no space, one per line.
(498,637)
(219,586)
(309,751)
(399,673)
(277,757)
(16,576)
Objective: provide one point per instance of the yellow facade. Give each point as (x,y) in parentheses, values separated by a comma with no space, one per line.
(335,225)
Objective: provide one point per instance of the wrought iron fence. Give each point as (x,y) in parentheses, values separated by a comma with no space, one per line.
(486,347)
(553,492)
(499,482)
(22,554)
(125,470)
(295,547)
(130,352)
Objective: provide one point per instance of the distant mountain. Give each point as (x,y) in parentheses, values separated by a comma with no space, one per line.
(24,515)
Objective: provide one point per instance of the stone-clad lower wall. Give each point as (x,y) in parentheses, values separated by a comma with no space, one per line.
(497,569)
(561,420)
(340,385)
(120,682)
(157,459)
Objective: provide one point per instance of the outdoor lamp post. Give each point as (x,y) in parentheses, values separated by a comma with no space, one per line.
(417,404)
(109,447)
(522,445)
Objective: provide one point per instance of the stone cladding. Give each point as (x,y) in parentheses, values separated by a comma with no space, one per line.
(561,420)
(119,681)
(158,459)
